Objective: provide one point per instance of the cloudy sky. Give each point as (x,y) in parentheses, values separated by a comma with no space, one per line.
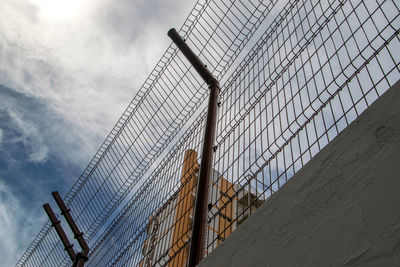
(68,69)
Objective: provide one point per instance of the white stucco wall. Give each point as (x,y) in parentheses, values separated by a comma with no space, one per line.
(341,209)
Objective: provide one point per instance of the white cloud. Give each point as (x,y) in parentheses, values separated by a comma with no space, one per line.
(1,136)
(87,65)
(16,222)
(31,138)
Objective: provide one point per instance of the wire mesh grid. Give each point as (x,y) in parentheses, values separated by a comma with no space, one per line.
(303,82)
(167,99)
(314,69)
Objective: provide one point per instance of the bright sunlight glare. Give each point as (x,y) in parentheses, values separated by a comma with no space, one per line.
(59,9)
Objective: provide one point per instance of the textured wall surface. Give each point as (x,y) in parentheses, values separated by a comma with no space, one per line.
(341,209)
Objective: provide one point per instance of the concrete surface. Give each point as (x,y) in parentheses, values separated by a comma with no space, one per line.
(341,209)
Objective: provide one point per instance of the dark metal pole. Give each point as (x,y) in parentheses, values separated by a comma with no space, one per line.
(193,59)
(56,224)
(81,257)
(201,211)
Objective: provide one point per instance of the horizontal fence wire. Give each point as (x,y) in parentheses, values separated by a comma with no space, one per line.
(168,98)
(312,70)
(316,67)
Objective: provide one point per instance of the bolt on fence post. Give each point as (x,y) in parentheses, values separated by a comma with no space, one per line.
(200,213)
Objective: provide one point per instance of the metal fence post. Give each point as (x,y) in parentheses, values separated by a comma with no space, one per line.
(81,257)
(200,213)
(61,234)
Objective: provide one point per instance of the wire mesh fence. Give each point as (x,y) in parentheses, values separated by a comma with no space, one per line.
(167,99)
(293,74)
